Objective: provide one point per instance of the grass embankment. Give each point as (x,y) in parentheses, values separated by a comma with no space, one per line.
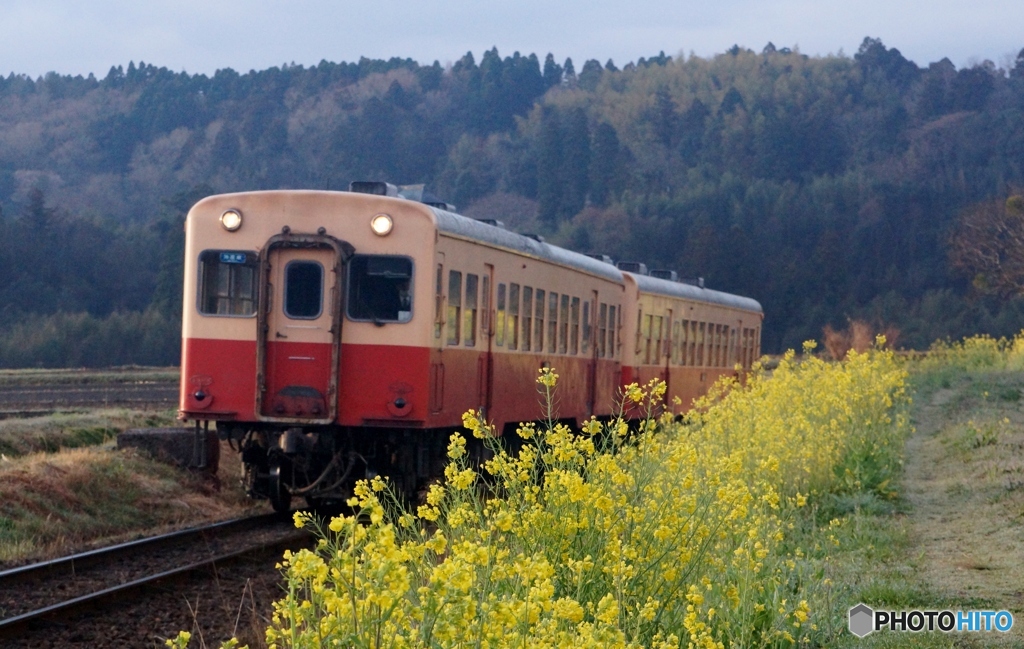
(21,436)
(720,530)
(52,504)
(64,488)
(955,537)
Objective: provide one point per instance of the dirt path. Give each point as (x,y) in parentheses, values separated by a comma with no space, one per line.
(964,480)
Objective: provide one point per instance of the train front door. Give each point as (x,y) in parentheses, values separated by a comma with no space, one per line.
(300,327)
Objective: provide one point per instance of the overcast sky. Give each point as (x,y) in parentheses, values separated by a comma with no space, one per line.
(39,36)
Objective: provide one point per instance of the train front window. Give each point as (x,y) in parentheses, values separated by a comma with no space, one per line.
(227,283)
(380,288)
(303,290)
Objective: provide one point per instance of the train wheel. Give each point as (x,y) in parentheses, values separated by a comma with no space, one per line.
(280,497)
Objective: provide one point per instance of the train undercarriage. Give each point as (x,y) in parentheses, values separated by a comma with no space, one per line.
(322,464)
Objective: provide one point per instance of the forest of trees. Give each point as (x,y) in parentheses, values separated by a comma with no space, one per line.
(829,188)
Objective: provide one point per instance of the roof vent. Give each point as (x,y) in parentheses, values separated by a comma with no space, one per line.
(603,258)
(374,187)
(670,275)
(632,267)
(495,222)
(447,207)
(535,237)
(697,281)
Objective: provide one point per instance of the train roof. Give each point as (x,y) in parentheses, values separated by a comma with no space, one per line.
(464,226)
(649,284)
(470,228)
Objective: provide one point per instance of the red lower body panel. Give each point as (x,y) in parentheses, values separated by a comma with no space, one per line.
(416,387)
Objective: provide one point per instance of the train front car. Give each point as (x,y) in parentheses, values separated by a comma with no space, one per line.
(307,324)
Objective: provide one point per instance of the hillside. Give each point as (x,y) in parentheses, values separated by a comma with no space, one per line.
(825,187)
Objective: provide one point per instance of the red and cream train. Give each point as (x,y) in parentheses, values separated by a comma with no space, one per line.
(336,335)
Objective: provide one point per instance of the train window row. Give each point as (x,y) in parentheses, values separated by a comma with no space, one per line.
(694,343)
(526,319)
(466,310)
(537,320)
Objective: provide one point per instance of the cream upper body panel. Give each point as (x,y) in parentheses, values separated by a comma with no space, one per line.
(345,216)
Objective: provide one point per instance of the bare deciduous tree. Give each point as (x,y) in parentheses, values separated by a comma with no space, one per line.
(988,245)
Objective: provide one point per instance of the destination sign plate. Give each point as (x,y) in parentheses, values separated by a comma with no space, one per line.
(232,257)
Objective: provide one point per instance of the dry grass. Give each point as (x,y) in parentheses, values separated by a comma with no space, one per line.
(56,503)
(859,336)
(74,429)
(963,479)
(955,538)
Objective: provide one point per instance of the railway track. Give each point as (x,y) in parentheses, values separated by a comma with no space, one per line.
(33,595)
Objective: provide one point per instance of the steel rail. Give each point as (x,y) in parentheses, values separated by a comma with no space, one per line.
(10,624)
(21,573)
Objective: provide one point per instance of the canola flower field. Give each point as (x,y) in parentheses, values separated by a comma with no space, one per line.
(704,532)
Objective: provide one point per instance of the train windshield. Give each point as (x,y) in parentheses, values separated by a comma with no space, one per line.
(380,288)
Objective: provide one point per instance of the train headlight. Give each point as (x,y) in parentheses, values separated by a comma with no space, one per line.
(231,220)
(381,225)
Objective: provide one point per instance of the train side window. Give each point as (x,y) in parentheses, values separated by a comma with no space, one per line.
(701,329)
(499,334)
(527,317)
(709,346)
(469,314)
(612,330)
(726,349)
(716,344)
(563,325)
(587,330)
(645,338)
(454,307)
(380,289)
(602,330)
(696,344)
(656,330)
(684,343)
(743,347)
(732,347)
(227,283)
(438,300)
(552,322)
(485,308)
(719,345)
(513,316)
(712,345)
(538,328)
(574,328)
(675,343)
(639,330)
